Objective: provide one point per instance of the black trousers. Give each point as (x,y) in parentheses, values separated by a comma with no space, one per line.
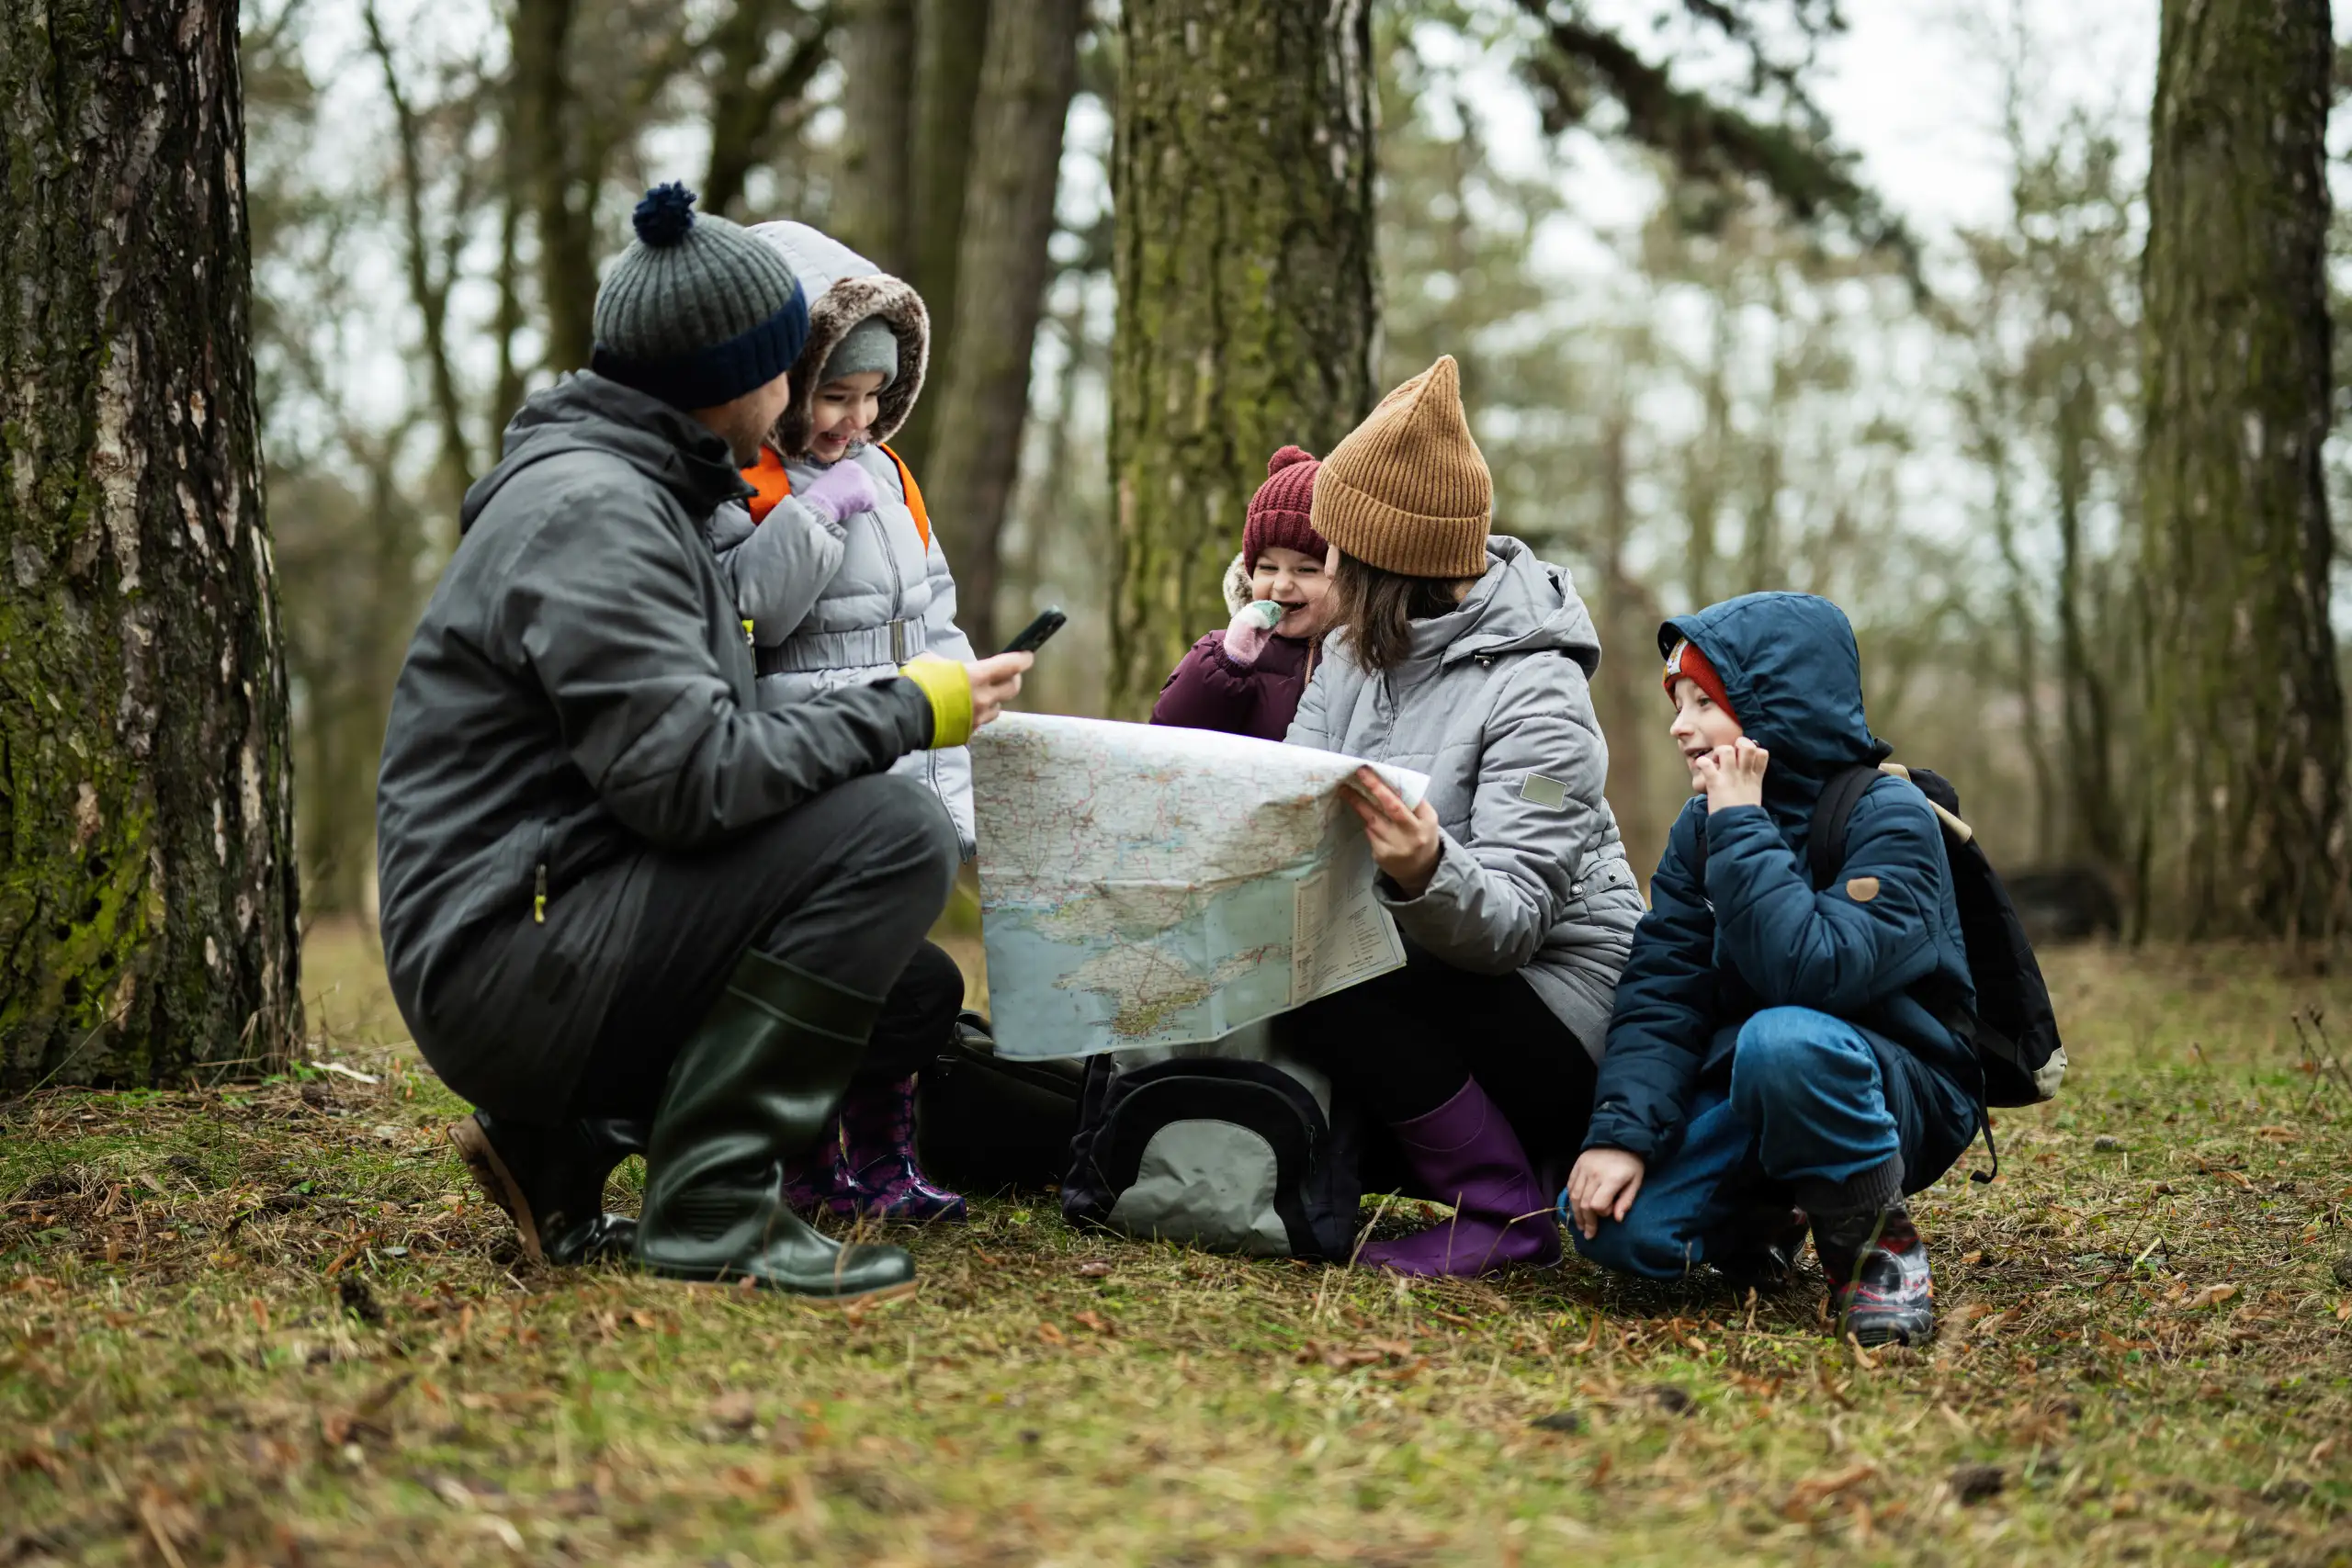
(845,887)
(918,1018)
(1405,1043)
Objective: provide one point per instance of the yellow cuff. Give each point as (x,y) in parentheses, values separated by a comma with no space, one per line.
(949,687)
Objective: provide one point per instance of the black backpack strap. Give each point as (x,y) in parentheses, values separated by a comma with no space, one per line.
(1824,847)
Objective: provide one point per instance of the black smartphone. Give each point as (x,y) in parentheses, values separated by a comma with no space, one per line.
(1033,636)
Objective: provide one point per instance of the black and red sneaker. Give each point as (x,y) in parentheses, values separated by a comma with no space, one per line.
(1878,1271)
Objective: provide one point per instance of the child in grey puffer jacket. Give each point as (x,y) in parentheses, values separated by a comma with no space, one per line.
(834,562)
(840,581)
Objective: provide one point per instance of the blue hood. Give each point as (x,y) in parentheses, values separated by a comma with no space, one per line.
(1794,677)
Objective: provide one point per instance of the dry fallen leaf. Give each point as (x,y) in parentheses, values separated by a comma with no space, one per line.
(1052,1336)
(1095,1321)
(1814,1488)
(2212,1295)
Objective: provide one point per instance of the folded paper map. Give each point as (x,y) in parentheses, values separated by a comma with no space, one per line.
(1149,886)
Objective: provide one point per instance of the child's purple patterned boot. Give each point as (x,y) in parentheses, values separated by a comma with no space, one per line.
(878,1157)
(818,1182)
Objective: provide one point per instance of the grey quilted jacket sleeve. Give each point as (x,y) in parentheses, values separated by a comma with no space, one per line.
(1503,885)
(778,568)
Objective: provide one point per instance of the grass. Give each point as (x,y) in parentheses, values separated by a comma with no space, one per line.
(275,1324)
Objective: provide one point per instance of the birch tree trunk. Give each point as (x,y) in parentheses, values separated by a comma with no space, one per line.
(147,877)
(1244,262)
(2243,825)
(1025,84)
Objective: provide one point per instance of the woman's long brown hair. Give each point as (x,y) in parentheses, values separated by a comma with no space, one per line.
(1379,608)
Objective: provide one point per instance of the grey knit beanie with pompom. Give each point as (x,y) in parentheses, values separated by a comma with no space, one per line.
(697,312)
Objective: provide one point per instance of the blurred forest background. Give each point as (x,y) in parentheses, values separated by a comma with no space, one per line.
(1733,366)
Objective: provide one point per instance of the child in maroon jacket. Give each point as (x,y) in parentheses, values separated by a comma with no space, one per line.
(1247,679)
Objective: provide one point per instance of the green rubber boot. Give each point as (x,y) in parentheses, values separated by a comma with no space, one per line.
(755,1086)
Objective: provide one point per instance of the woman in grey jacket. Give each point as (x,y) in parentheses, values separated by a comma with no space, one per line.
(1458,654)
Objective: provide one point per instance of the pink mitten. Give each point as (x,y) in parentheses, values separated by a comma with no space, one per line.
(843,491)
(1246,638)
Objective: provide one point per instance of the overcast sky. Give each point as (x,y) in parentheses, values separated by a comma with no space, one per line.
(1915,95)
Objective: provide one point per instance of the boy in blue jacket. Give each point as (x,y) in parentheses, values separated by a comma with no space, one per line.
(1774,1045)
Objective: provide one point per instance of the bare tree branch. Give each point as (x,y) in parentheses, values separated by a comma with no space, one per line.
(430,293)
(1707,141)
(744,110)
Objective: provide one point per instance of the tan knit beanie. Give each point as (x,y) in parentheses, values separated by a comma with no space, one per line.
(1408,492)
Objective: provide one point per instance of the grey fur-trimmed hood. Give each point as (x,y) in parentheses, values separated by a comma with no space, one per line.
(844,288)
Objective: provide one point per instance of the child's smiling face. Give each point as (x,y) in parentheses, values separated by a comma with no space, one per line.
(1700,724)
(1300,583)
(842,412)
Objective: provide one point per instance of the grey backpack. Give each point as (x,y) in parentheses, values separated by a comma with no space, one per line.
(1233,1146)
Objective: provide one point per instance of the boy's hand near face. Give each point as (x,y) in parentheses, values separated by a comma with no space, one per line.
(1732,775)
(1602,1187)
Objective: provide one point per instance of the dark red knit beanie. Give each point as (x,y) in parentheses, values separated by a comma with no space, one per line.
(1686,663)
(1278,513)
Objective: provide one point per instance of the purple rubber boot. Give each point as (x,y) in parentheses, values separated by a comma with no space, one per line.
(879,1160)
(818,1182)
(1464,1152)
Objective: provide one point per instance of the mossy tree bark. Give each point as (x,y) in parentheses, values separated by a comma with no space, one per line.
(1030,71)
(1243,258)
(147,879)
(2245,819)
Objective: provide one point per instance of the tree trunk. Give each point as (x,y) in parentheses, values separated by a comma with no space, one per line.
(1625,689)
(147,877)
(1243,259)
(748,97)
(1026,85)
(562,202)
(428,290)
(2094,826)
(1704,462)
(2245,710)
(877,54)
(953,42)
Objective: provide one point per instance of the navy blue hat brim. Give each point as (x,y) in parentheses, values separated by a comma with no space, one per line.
(721,372)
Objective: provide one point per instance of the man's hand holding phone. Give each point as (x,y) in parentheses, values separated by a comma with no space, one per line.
(996,681)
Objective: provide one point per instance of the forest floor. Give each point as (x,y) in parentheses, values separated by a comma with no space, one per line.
(275,1324)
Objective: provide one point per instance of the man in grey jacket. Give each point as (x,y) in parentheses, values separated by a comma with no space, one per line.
(613,889)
